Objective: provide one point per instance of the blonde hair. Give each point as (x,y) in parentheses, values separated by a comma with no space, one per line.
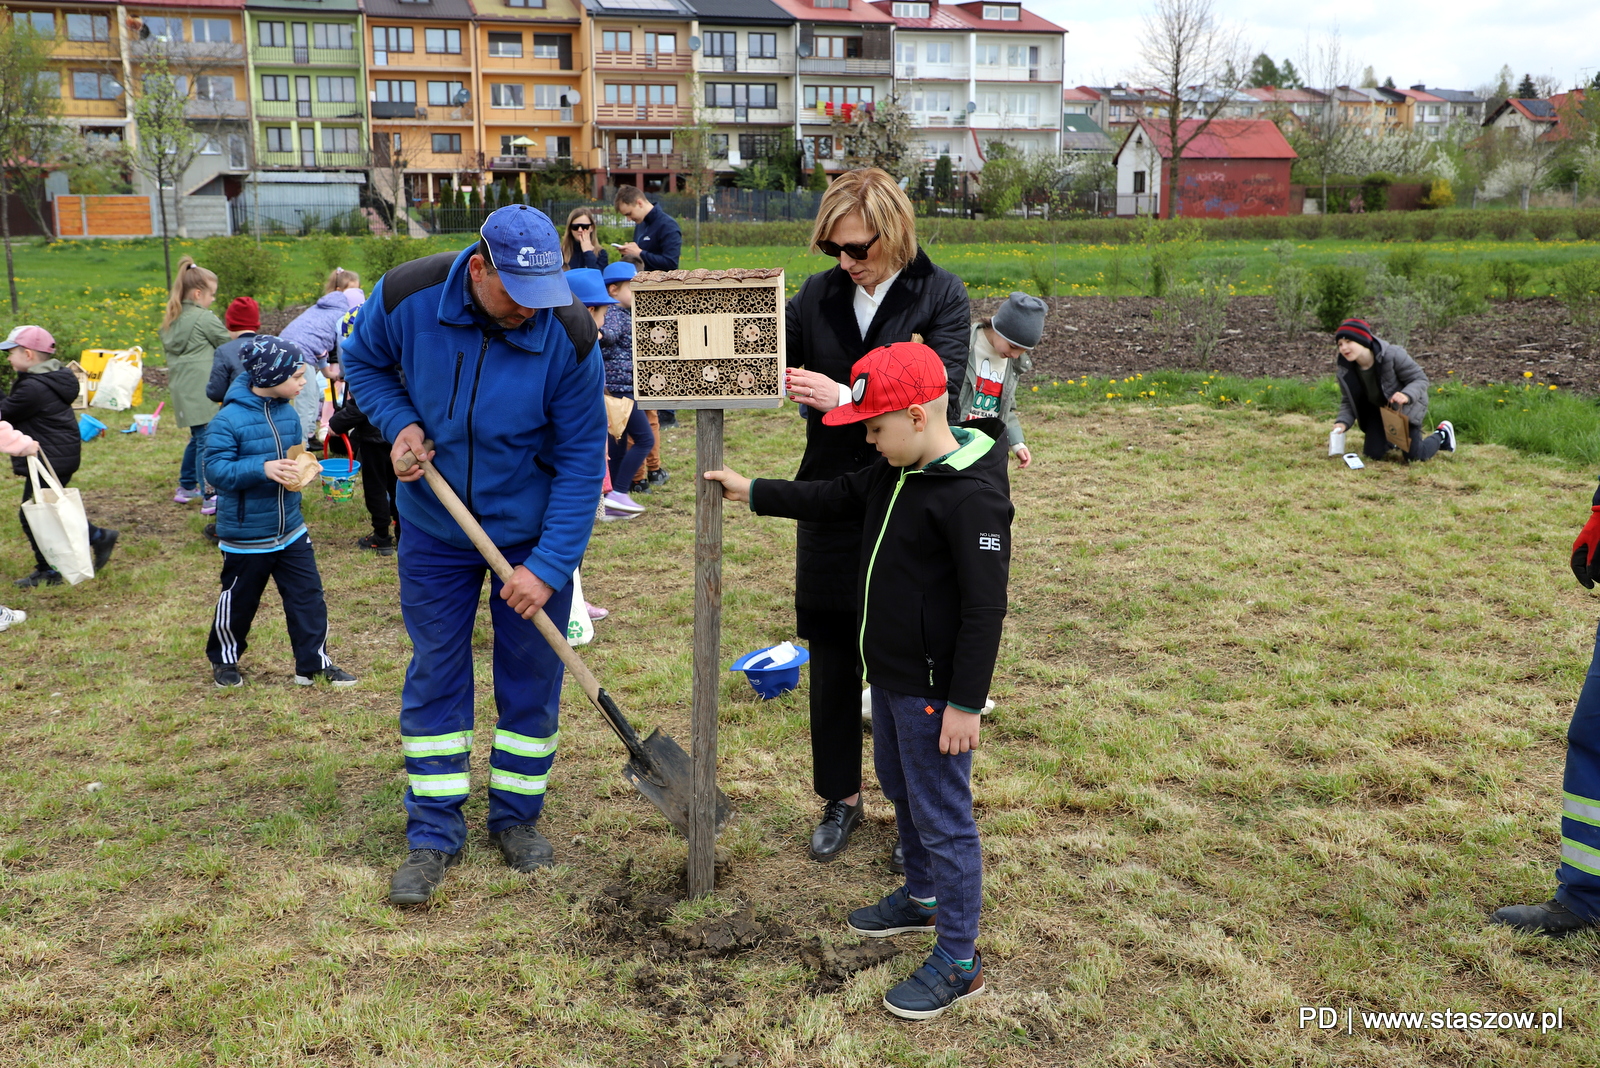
(340,279)
(883,205)
(188,277)
(569,244)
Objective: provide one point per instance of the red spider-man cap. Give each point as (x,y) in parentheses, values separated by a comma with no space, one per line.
(891,379)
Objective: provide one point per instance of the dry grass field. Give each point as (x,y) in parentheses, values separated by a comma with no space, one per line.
(1270,734)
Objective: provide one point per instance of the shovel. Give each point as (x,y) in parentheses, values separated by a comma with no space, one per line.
(657,767)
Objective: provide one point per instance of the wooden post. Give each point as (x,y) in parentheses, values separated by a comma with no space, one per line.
(707,651)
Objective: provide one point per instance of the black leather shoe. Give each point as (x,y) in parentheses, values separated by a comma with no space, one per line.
(897,859)
(102,549)
(833,833)
(420,876)
(1549,918)
(524,848)
(40,576)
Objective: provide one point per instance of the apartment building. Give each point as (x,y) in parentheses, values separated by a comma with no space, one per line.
(308,85)
(1117,108)
(977,73)
(419,92)
(745,66)
(532,95)
(89,61)
(1460,109)
(641,80)
(844,61)
(1297,106)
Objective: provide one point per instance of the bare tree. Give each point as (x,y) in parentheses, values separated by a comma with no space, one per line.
(29,104)
(168,144)
(1325,135)
(696,143)
(1187,48)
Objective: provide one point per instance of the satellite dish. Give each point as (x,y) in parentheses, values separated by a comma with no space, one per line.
(971,106)
(694,44)
(803,50)
(461,97)
(571,98)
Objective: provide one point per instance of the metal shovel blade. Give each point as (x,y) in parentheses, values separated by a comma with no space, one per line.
(668,781)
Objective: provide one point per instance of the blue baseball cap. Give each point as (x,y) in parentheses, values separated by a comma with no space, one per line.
(523,247)
(621,271)
(587,285)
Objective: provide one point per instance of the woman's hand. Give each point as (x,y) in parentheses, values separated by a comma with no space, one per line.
(812,389)
(586,240)
(1399,400)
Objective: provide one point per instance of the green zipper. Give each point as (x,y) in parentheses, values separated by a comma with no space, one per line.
(866,594)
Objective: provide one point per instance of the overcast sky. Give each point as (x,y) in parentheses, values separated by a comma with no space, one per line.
(1458,45)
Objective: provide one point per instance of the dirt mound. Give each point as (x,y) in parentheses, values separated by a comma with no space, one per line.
(835,964)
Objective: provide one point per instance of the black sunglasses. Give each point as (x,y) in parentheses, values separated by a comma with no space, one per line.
(855,251)
(581,226)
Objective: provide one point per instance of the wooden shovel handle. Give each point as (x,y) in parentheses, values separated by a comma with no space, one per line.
(498,563)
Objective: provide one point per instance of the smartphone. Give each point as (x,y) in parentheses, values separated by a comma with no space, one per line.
(615,245)
(1353,462)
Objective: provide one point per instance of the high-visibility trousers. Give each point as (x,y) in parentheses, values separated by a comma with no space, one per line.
(1579,873)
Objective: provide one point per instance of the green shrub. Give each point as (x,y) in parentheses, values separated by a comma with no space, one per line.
(1505,225)
(1335,291)
(244,268)
(1439,194)
(1423,224)
(1462,225)
(381,254)
(1512,276)
(1547,224)
(1577,285)
(1407,262)
(1375,191)
(1389,226)
(1585,224)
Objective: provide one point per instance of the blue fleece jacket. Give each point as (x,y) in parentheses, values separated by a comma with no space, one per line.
(241,438)
(517,417)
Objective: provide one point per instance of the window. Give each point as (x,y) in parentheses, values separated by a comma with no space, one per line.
(212,31)
(279,139)
(502,95)
(1389,112)
(1023,104)
(341,139)
(722,44)
(831,3)
(987,55)
(763,46)
(938,52)
(90,85)
(1138,181)
(335,90)
(837,47)
(1022,55)
(931,100)
(525,3)
(551,46)
(88,28)
(156,83)
(935,149)
(209,147)
(616,41)
(334,35)
(719,146)
(735,95)
(443,42)
(160,28)
(660,44)
(505,45)
(550,97)
(43,22)
(991,103)
(1433,110)
(762,146)
(270,35)
(644,145)
(641,94)
(910,11)
(50,82)
(819,147)
(214,87)
(393,39)
(394,92)
(1001,12)
(443,94)
(820,96)
(275,87)
(446,144)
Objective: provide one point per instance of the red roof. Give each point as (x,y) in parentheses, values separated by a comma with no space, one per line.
(1222,139)
(1085,95)
(968,17)
(858,12)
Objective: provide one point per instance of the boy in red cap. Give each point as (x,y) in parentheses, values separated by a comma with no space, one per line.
(936,552)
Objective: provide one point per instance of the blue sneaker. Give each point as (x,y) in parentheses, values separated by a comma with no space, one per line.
(934,987)
(895,914)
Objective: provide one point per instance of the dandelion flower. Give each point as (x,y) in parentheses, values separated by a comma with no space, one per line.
(1527,374)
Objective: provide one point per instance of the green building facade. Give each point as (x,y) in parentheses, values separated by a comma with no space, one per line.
(308,84)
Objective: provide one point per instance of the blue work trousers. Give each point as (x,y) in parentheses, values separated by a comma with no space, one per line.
(932,795)
(440,586)
(1579,873)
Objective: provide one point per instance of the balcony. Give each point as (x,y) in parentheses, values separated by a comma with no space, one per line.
(643,60)
(107,50)
(939,119)
(389,110)
(309,158)
(94,109)
(1045,72)
(655,161)
(307,109)
(533,64)
(302,57)
(646,114)
(420,60)
(990,120)
(782,115)
(189,52)
(744,63)
(217,109)
(526,163)
(879,68)
(441,113)
(931,72)
(493,115)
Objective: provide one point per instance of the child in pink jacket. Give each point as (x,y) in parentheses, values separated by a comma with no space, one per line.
(14,442)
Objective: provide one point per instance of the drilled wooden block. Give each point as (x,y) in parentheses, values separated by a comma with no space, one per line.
(708,339)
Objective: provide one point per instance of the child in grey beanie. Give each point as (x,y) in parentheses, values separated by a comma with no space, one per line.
(1000,355)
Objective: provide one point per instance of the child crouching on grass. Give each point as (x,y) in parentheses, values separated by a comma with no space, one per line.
(259,527)
(936,550)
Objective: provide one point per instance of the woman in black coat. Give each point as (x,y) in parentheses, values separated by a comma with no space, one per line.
(884,290)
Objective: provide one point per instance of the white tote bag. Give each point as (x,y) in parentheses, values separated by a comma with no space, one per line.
(59,524)
(121,377)
(580,628)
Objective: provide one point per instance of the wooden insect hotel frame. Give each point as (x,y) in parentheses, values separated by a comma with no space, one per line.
(708,339)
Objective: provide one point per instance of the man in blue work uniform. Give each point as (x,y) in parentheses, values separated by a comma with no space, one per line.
(1576,904)
(657,242)
(485,352)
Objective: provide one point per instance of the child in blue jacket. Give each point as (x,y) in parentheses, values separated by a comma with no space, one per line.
(259,527)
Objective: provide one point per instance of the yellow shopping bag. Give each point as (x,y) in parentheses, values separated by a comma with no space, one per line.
(93,362)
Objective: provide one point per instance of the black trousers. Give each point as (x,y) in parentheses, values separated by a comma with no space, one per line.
(835,701)
(96,534)
(1375,445)
(244,579)
(378,483)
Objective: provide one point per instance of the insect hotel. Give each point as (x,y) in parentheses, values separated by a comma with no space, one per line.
(708,339)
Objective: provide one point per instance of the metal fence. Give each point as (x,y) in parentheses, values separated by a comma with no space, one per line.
(297,209)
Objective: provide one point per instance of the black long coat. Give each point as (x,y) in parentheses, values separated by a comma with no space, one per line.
(823,337)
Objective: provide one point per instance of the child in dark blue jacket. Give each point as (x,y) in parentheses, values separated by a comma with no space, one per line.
(259,527)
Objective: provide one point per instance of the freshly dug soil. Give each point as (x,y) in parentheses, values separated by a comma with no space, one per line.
(1101,336)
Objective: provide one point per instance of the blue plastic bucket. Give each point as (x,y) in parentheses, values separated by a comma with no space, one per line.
(339,479)
(770,682)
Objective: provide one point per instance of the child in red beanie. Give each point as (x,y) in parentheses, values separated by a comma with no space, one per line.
(244,318)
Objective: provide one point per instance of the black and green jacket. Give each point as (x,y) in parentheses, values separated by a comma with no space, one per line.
(935,558)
